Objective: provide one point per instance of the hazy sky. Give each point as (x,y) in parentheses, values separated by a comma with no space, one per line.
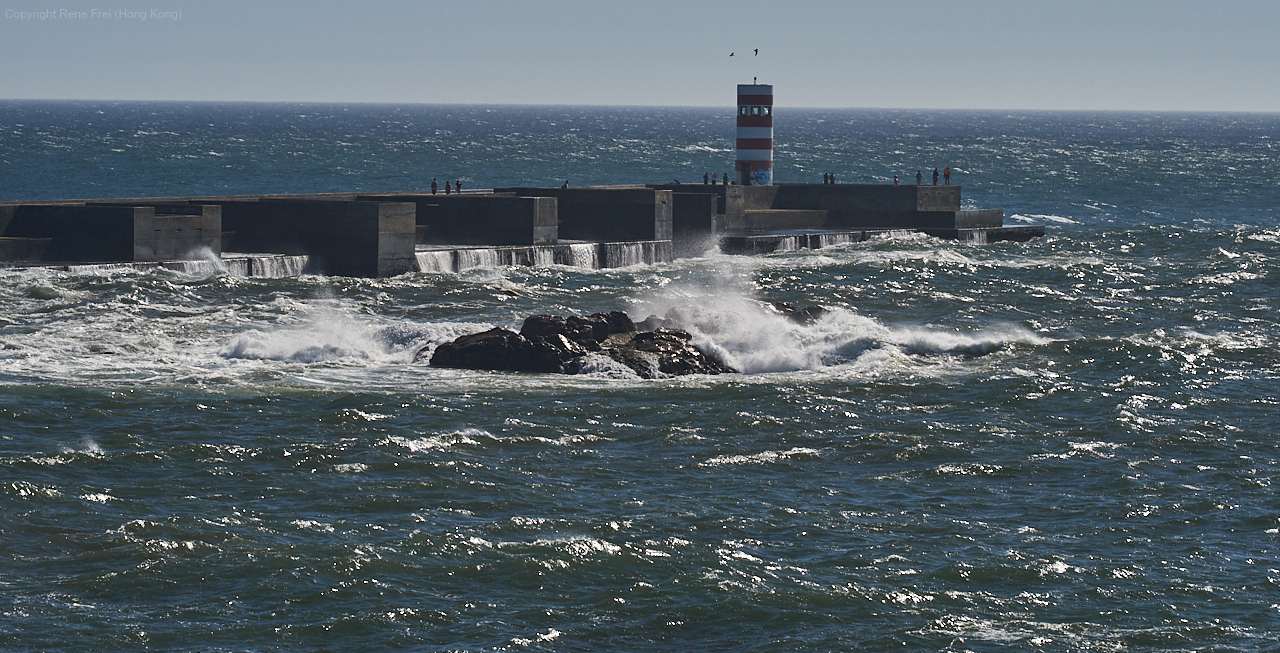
(1221,55)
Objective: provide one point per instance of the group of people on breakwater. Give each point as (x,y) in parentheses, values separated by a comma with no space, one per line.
(710,179)
(946,177)
(448,188)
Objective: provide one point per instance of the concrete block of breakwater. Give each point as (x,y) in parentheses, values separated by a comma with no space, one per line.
(921,220)
(716,190)
(23,250)
(176,231)
(782,220)
(103,233)
(986,236)
(605,214)
(846,203)
(694,220)
(480,219)
(343,238)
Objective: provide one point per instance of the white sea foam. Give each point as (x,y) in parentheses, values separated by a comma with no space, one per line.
(752,337)
(1036,218)
(335,332)
(204,253)
(602,366)
(762,458)
(469,437)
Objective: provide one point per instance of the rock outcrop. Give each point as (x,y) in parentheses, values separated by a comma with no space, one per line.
(550,343)
(806,316)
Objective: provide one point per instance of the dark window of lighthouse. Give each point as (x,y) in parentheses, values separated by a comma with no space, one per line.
(742,110)
(755,111)
(764,111)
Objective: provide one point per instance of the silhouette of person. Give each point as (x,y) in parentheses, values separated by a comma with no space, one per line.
(833,178)
(566,184)
(447,188)
(895,180)
(457,185)
(726,179)
(935,176)
(946,175)
(434,186)
(919,178)
(706,179)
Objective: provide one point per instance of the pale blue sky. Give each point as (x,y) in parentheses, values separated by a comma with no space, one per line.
(973,54)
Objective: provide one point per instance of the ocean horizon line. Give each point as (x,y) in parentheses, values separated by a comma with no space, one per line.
(516,105)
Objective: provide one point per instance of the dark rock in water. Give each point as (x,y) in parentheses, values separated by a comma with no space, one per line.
(653,323)
(673,353)
(804,316)
(583,330)
(542,325)
(500,349)
(549,343)
(619,322)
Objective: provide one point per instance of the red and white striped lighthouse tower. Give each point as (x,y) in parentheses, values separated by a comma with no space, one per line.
(755,134)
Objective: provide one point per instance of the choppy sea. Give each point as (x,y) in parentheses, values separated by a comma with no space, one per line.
(1068,444)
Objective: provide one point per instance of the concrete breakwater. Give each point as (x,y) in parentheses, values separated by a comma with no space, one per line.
(386,234)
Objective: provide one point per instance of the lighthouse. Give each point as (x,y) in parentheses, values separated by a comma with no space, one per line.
(755,135)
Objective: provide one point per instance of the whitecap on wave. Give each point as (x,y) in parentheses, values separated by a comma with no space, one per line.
(763,458)
(1037,218)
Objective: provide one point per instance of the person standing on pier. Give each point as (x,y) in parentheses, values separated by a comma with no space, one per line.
(457,185)
(706,178)
(447,188)
(935,176)
(434,186)
(895,180)
(833,178)
(919,178)
(946,175)
(726,179)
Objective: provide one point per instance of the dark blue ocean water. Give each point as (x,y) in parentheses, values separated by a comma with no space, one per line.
(1061,445)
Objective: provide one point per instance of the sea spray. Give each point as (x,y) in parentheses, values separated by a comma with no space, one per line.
(335,331)
(728,321)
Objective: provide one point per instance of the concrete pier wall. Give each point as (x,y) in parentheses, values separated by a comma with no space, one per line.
(915,219)
(23,250)
(178,232)
(716,190)
(757,209)
(374,234)
(694,221)
(480,219)
(589,255)
(759,221)
(607,214)
(114,233)
(343,238)
(80,233)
